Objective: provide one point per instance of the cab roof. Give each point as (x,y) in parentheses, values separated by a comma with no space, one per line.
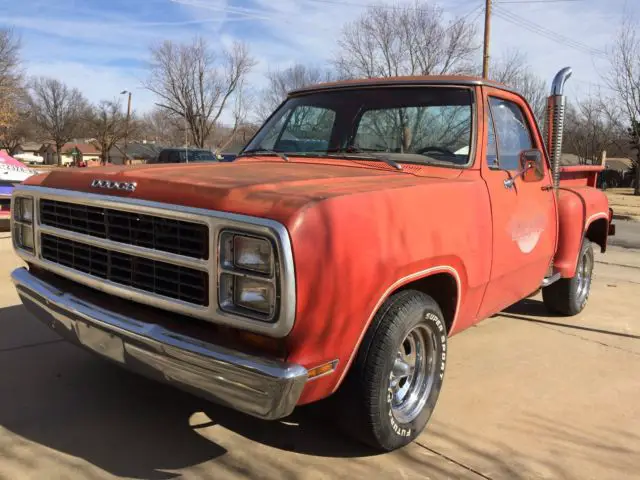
(450,80)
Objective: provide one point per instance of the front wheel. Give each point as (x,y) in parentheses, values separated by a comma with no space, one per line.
(568,296)
(394,383)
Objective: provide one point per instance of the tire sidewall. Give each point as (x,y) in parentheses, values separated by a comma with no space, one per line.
(396,432)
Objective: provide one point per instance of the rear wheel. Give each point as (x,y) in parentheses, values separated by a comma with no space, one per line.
(394,383)
(568,296)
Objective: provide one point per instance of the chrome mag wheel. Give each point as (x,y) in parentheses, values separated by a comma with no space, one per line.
(412,375)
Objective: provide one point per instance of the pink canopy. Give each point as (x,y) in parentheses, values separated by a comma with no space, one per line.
(8,160)
(12,172)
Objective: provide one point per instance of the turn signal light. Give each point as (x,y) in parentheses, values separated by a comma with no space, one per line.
(324,369)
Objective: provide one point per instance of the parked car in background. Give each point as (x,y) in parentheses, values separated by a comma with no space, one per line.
(184,155)
(227,157)
(609,179)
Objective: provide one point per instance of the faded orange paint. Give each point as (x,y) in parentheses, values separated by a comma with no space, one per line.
(360,230)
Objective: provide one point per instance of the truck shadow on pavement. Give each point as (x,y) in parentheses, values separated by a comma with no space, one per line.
(59,396)
(59,404)
(527,310)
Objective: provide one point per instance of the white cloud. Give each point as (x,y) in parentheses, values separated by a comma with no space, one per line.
(99,82)
(101,48)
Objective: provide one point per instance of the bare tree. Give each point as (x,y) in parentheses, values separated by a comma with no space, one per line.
(108,125)
(194,85)
(410,40)
(10,83)
(624,81)
(162,126)
(512,70)
(592,127)
(9,60)
(19,126)
(280,82)
(58,110)
(239,113)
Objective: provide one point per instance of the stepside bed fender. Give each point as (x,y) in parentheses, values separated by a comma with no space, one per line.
(582,213)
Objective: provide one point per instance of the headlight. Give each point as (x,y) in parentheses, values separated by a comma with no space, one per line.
(23,210)
(23,235)
(248,276)
(241,293)
(23,223)
(252,253)
(244,252)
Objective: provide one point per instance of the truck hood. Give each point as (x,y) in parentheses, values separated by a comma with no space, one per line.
(262,188)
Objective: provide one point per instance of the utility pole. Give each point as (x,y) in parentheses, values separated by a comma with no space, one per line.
(487,38)
(126,128)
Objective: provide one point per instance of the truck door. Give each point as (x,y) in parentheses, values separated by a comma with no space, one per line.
(524,215)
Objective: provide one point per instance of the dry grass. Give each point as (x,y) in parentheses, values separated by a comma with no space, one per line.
(624,202)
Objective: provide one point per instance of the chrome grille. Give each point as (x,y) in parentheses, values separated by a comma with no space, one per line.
(74,247)
(173,281)
(158,233)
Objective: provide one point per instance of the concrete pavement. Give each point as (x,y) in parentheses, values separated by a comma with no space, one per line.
(525,396)
(627,234)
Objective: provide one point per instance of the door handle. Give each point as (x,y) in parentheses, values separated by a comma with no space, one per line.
(546,188)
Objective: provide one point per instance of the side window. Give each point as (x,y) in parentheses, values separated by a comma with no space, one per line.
(511,132)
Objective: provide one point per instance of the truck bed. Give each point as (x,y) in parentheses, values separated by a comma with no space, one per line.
(580,175)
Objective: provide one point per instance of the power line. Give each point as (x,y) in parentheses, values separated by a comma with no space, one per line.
(593,84)
(480,12)
(544,32)
(370,5)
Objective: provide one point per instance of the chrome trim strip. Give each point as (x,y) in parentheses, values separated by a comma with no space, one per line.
(157,255)
(215,220)
(246,274)
(264,388)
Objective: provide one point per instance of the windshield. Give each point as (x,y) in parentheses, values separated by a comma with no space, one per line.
(409,125)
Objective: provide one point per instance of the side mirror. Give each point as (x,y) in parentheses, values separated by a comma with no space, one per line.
(531,168)
(531,165)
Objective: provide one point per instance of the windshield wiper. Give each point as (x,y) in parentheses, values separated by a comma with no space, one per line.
(257,151)
(352,152)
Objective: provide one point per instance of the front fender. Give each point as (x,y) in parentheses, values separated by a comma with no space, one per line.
(352,252)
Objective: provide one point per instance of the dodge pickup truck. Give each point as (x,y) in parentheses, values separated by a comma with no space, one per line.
(366,223)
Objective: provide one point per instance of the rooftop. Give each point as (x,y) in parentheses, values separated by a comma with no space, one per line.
(457,80)
(84,148)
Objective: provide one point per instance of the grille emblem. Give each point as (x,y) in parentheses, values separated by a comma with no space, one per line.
(110,185)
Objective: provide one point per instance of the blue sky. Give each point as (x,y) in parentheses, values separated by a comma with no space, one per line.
(102,46)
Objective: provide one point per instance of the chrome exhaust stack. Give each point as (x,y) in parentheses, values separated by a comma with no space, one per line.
(554,128)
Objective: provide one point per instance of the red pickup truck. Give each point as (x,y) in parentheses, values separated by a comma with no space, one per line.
(365,223)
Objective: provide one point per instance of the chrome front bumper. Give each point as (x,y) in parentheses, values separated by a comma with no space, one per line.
(264,388)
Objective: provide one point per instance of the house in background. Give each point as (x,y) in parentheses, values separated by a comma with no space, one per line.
(48,153)
(80,154)
(28,153)
(28,148)
(618,172)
